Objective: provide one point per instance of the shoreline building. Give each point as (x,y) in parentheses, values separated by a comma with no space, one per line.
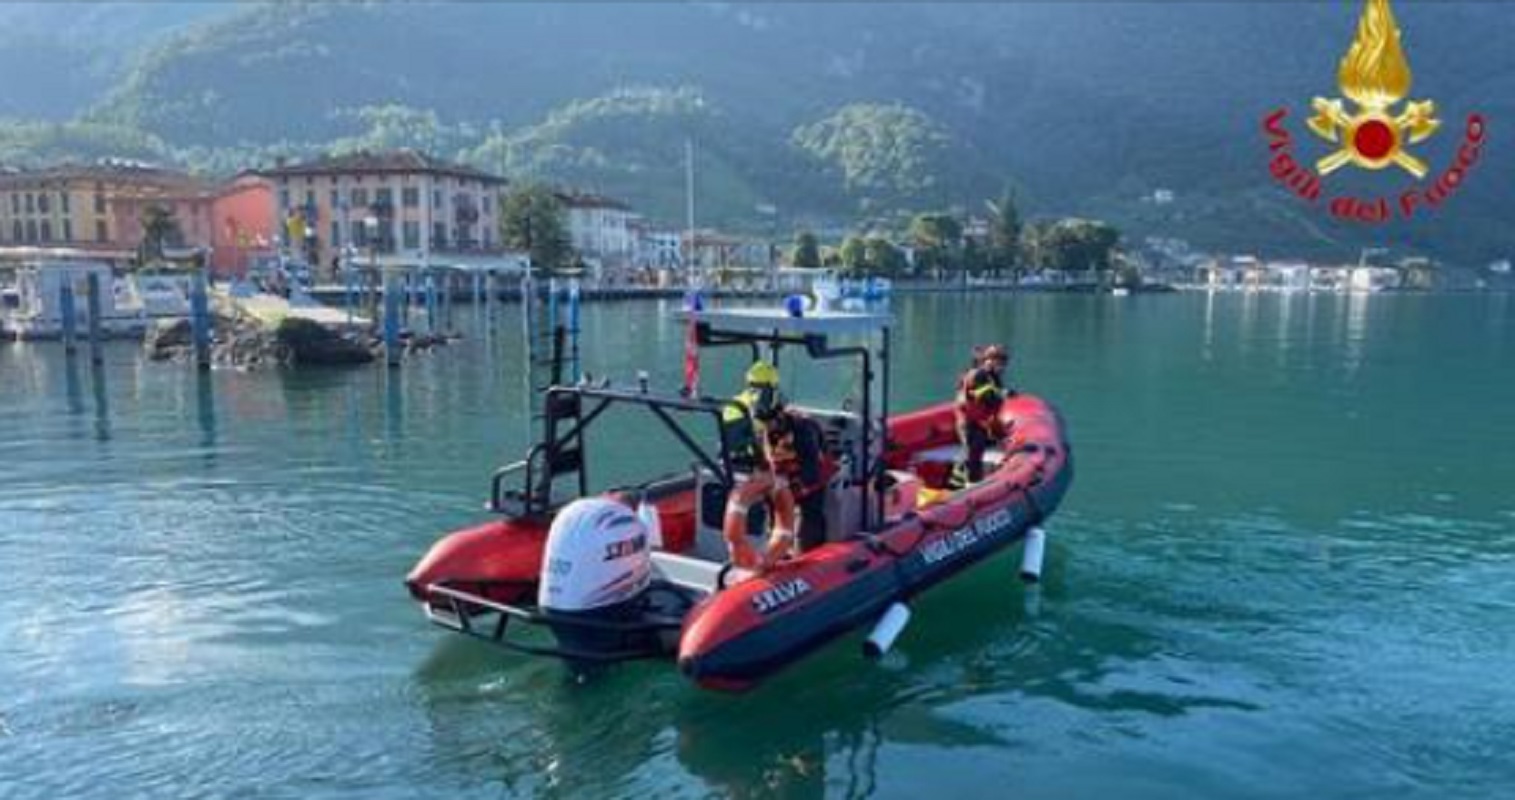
(244,230)
(401,207)
(98,208)
(600,229)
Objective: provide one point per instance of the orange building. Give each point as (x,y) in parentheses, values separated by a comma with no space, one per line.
(98,207)
(244,229)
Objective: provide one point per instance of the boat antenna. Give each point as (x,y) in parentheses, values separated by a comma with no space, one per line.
(689,204)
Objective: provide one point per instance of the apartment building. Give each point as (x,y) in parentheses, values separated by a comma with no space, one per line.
(402,206)
(99,207)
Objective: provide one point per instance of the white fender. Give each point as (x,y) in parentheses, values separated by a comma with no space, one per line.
(648,514)
(888,629)
(1031,557)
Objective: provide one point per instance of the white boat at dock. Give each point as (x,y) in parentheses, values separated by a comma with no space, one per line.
(37,308)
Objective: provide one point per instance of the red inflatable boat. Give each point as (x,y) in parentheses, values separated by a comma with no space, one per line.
(643,572)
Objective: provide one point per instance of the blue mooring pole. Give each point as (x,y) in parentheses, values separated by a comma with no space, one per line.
(431,303)
(66,311)
(348,291)
(391,320)
(478,289)
(573,327)
(199,319)
(93,304)
(552,304)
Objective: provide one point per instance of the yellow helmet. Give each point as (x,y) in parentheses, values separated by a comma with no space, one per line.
(762,373)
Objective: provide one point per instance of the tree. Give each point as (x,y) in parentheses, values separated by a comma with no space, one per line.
(1004,234)
(883,257)
(1077,244)
(973,260)
(884,154)
(1033,255)
(395,126)
(159,230)
(854,255)
(531,219)
(807,251)
(937,238)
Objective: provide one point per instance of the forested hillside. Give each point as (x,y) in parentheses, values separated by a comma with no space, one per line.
(841,111)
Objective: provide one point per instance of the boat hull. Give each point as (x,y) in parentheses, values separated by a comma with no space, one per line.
(740,636)
(736,637)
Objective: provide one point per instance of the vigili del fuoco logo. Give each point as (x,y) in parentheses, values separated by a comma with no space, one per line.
(1375,127)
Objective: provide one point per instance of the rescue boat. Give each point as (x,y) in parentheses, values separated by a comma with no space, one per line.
(643,571)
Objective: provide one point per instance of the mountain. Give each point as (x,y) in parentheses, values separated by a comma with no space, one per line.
(71,53)
(841,110)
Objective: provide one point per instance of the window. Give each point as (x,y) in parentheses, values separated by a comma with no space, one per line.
(412,235)
(359,198)
(284,199)
(68,229)
(436,198)
(384,196)
(486,203)
(99,202)
(31,203)
(15,204)
(47,231)
(101,234)
(336,234)
(359,234)
(310,199)
(336,198)
(410,197)
(31,230)
(44,204)
(438,235)
(63,202)
(16,231)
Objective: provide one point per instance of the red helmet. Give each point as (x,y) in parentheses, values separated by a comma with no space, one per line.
(994,352)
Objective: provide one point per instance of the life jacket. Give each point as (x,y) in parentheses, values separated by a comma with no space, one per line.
(979,395)
(741,430)
(793,446)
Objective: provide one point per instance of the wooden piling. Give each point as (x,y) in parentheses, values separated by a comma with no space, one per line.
(93,304)
(199,318)
(67,312)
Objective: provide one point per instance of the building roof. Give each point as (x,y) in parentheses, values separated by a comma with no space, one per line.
(117,170)
(575,199)
(387,162)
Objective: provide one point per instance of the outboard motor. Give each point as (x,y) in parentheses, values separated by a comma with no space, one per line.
(595,572)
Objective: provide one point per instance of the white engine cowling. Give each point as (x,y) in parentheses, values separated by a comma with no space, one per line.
(598,555)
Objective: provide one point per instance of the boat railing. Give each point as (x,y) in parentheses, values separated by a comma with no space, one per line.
(482,618)
(517,502)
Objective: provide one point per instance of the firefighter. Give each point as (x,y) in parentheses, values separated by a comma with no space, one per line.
(980,393)
(780,452)
(743,416)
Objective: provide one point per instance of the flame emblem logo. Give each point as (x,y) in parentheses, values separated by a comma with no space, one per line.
(1375,76)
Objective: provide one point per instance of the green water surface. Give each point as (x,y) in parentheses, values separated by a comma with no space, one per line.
(1286,569)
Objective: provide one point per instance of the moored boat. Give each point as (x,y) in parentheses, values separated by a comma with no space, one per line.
(644,572)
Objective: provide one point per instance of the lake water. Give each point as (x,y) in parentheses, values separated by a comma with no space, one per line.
(1286,569)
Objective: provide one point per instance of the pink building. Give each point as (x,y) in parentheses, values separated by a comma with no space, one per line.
(189,205)
(244,230)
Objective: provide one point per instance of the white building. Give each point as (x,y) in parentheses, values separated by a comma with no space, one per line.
(656,248)
(1374,279)
(600,227)
(1289,276)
